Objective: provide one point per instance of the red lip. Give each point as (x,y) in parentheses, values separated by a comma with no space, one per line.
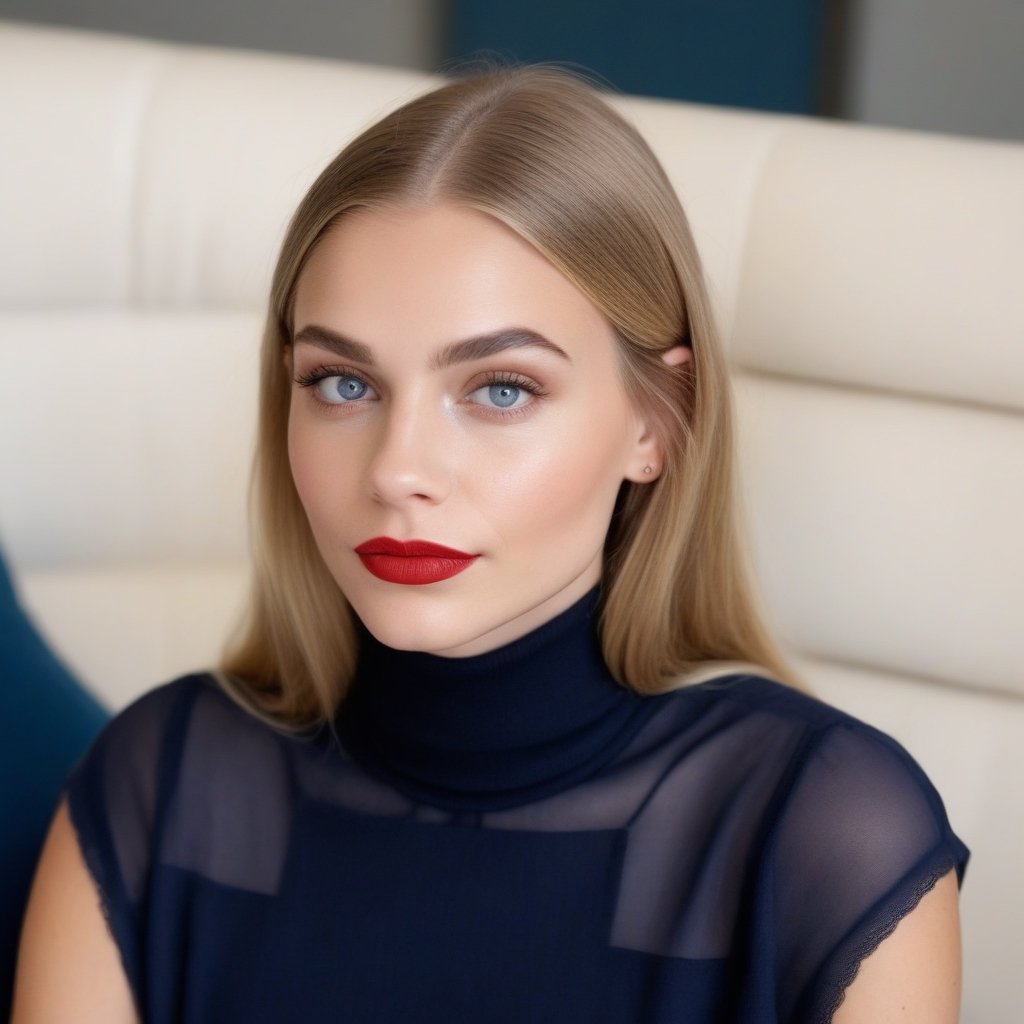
(412,562)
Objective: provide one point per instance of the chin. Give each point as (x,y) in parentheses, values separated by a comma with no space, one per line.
(410,619)
(427,635)
(458,618)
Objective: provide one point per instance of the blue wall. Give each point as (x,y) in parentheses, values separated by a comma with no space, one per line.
(735,52)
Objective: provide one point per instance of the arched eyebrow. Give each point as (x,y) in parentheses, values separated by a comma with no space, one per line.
(479,347)
(484,345)
(341,346)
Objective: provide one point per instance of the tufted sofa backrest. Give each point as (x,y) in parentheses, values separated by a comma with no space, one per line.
(867,284)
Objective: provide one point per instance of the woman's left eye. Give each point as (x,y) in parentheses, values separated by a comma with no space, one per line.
(503,395)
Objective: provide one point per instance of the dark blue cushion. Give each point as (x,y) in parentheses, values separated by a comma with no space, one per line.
(47,720)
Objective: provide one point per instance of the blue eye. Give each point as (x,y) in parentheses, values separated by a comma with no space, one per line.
(505,395)
(340,389)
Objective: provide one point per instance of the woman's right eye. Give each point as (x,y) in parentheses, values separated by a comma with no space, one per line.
(337,388)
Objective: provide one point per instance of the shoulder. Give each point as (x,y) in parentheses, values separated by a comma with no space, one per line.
(745,715)
(170,710)
(185,775)
(184,733)
(761,695)
(192,728)
(823,734)
(118,785)
(844,762)
(151,713)
(816,778)
(121,762)
(842,758)
(851,834)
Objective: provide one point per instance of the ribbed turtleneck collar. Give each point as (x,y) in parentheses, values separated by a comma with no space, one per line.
(494,730)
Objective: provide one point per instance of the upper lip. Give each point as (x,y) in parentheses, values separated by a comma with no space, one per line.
(408,548)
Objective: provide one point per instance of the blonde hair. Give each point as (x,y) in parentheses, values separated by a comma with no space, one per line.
(537,148)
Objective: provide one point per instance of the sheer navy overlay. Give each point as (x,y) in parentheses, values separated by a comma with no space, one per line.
(507,838)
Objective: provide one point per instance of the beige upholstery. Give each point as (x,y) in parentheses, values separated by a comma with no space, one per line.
(866,281)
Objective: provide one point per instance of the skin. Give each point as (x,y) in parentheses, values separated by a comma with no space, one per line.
(422,452)
(423,455)
(914,975)
(69,967)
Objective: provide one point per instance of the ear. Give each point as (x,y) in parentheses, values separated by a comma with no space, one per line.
(677,355)
(648,458)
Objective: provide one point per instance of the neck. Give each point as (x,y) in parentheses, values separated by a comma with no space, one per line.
(495,729)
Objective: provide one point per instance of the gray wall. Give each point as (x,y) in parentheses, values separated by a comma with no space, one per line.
(942,65)
(403,33)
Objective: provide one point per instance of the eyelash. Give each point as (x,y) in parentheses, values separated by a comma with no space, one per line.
(490,379)
(515,380)
(311,379)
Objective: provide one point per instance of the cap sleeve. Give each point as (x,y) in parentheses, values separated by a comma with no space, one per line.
(862,838)
(114,794)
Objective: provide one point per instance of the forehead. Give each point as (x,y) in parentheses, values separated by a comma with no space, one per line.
(440,272)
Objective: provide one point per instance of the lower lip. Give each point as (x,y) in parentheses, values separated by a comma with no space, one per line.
(415,570)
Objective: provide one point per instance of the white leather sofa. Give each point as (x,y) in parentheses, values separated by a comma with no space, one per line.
(867,281)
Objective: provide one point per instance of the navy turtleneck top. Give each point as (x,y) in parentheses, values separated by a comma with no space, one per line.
(511,837)
(495,730)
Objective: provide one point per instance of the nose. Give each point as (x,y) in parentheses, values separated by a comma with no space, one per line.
(409,460)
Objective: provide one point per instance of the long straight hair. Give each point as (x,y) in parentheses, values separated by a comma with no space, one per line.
(539,149)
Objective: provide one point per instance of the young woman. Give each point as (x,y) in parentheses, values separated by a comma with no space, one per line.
(503,738)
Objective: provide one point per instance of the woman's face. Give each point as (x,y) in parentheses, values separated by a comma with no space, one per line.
(452,387)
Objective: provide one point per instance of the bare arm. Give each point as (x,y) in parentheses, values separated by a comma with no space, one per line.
(914,975)
(69,967)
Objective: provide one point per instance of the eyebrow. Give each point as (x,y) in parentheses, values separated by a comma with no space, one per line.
(478,347)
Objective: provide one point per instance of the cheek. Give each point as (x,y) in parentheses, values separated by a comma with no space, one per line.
(299,460)
(314,466)
(563,489)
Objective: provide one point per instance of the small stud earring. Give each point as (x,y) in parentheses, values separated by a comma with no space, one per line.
(648,470)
